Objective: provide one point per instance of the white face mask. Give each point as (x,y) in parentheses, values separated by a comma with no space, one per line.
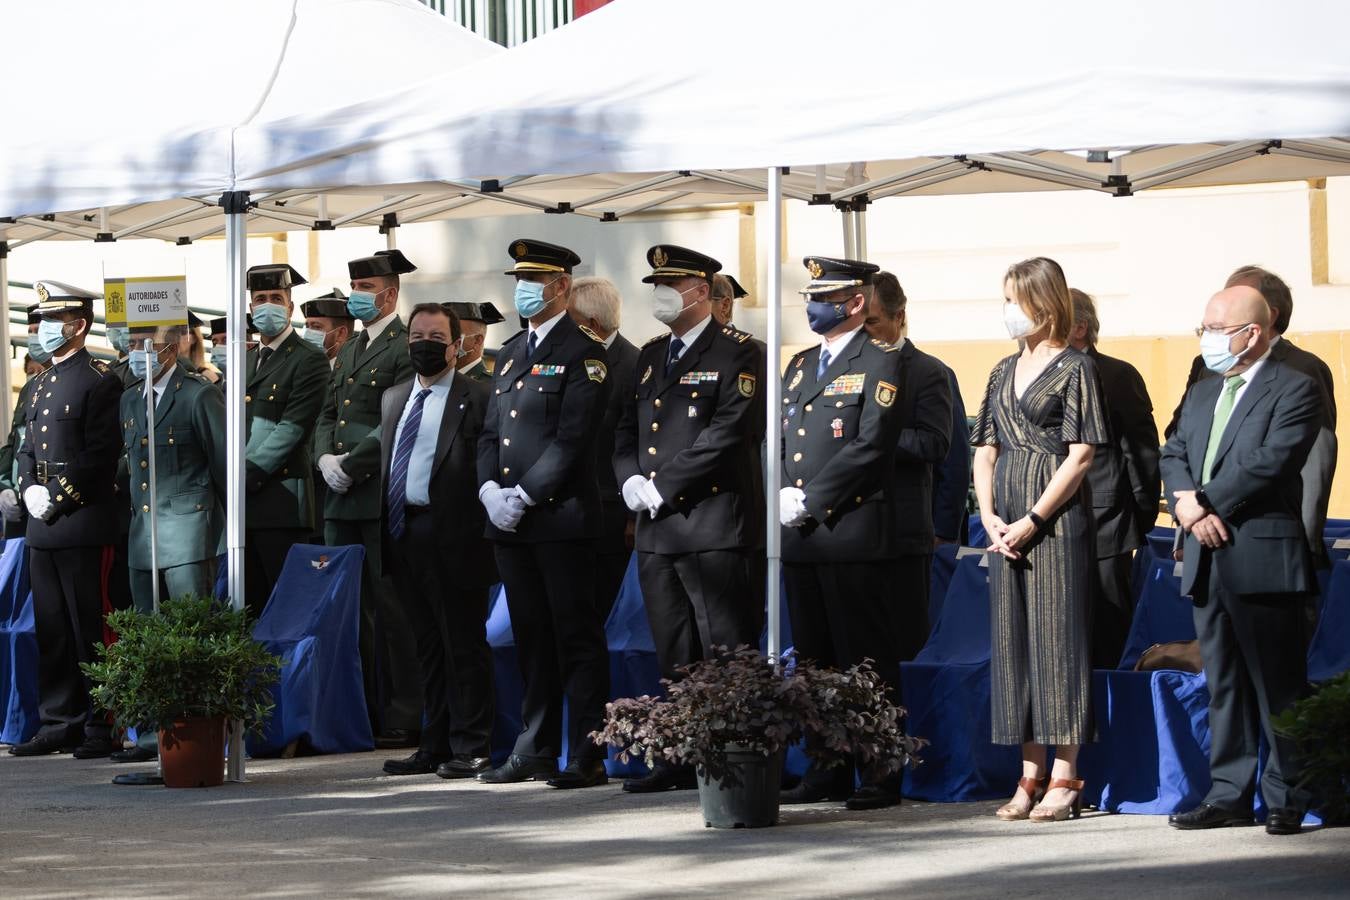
(1016,321)
(668,303)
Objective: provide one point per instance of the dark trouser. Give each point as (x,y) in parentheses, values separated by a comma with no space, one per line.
(695,602)
(843,613)
(609,572)
(1112,610)
(196,578)
(265,552)
(448,615)
(68,614)
(120,595)
(550,592)
(914,572)
(1256,666)
(389,666)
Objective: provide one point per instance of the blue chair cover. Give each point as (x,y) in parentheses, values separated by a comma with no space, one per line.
(19,719)
(1161,613)
(1329,652)
(978,537)
(312,621)
(944,564)
(961,634)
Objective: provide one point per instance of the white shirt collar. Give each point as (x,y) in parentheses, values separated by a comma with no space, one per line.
(280,339)
(1275,339)
(542,331)
(374,328)
(693,334)
(609,341)
(836,345)
(469,367)
(163,382)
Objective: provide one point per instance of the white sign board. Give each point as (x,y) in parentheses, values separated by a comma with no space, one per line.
(156,301)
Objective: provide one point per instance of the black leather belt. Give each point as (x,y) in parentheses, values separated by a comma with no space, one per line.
(47,470)
(410,511)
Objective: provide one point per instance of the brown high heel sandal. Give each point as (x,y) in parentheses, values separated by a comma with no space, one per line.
(1034,788)
(1071,810)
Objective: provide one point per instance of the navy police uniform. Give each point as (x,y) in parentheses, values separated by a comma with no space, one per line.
(70,449)
(539,435)
(687,427)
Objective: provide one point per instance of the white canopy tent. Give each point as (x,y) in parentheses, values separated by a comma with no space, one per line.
(641,105)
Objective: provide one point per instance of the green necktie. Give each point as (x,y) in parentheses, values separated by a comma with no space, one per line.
(1221,415)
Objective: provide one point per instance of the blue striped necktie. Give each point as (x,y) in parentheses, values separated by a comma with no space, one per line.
(676,348)
(824,363)
(531,343)
(398,471)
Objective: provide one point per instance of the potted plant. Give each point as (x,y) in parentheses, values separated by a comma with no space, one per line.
(185,671)
(732,717)
(1319,725)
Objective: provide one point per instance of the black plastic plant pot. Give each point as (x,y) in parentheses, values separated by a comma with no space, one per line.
(747,795)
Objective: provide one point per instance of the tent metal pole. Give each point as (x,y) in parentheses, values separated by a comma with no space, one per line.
(850,235)
(860,232)
(6,408)
(773,435)
(235,205)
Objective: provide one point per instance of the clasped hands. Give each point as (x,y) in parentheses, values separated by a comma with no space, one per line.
(330,467)
(1195,519)
(505,506)
(640,493)
(1005,538)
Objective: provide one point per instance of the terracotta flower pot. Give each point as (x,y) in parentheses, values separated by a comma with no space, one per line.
(192,753)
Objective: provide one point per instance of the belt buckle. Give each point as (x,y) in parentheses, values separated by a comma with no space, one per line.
(42,475)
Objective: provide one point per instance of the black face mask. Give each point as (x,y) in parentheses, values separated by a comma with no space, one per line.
(428,357)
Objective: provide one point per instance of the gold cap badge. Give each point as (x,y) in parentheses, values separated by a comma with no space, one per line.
(659,257)
(814,268)
(520,249)
(42,292)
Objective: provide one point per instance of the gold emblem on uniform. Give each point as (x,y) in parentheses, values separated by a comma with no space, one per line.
(506,368)
(659,257)
(646,376)
(814,268)
(746,383)
(42,292)
(520,249)
(885,393)
(595,370)
(796,380)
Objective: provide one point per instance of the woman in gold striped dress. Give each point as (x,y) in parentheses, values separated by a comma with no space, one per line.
(1041,417)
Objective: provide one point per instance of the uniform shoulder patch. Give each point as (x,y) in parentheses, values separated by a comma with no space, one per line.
(736,334)
(884,347)
(885,393)
(595,370)
(659,337)
(590,334)
(99,366)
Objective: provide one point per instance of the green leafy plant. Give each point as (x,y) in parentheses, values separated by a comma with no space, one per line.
(196,657)
(740,699)
(1320,725)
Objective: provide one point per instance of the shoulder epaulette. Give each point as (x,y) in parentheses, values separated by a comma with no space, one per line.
(736,334)
(590,334)
(883,346)
(99,366)
(659,337)
(515,336)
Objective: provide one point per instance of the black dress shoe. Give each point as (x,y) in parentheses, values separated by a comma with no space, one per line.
(663,778)
(873,796)
(580,774)
(461,766)
(94,748)
(397,739)
(420,763)
(817,786)
(40,745)
(1207,815)
(133,755)
(1284,821)
(520,768)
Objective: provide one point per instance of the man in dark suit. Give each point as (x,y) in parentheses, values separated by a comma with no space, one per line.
(1320,468)
(347,453)
(951,477)
(925,405)
(688,469)
(1124,483)
(596,305)
(474,318)
(841,425)
(434,530)
(1232,471)
(286,377)
(67,479)
(536,462)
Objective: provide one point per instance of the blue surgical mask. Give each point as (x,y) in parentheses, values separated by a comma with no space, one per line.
(1214,349)
(137,362)
(119,337)
(362,305)
(824,317)
(36,351)
(219,354)
(316,336)
(529,298)
(271,319)
(51,333)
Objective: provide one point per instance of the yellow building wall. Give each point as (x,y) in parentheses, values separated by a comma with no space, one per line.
(1164,363)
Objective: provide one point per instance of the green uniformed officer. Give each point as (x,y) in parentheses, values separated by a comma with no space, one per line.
(474,318)
(347,449)
(10,507)
(282,398)
(328,323)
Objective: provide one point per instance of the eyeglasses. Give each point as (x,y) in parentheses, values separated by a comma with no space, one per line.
(1229,330)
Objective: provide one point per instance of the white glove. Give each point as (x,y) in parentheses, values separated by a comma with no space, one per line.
(651,497)
(9,505)
(524,497)
(504,507)
(38,501)
(791,507)
(632,493)
(330,467)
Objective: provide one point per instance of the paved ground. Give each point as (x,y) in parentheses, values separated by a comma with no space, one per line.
(330,826)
